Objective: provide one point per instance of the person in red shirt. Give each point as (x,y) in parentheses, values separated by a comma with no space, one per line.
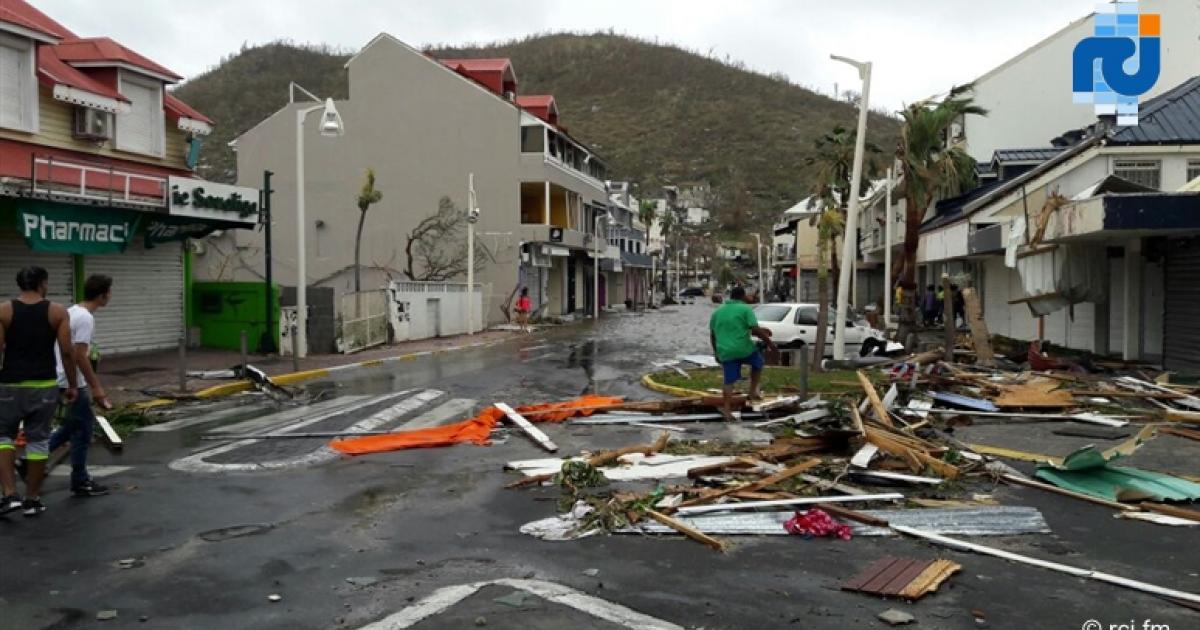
(524,306)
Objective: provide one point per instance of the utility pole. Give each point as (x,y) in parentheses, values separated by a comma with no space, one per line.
(887,254)
(850,241)
(472,217)
(266,344)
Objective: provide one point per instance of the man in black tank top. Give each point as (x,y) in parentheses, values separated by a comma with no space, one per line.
(29,328)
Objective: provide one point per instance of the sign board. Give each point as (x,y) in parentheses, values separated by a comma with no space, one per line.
(200,199)
(556,235)
(51,227)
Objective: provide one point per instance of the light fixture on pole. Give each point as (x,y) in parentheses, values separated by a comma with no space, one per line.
(887,253)
(758,252)
(850,240)
(331,126)
(472,219)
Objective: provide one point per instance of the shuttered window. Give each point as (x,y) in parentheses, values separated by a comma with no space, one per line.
(1193,170)
(18,90)
(1145,172)
(141,129)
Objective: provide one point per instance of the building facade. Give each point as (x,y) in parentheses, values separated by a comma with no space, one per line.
(96,159)
(426,127)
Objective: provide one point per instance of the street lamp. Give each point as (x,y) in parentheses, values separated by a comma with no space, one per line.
(595,280)
(472,219)
(887,253)
(849,242)
(331,126)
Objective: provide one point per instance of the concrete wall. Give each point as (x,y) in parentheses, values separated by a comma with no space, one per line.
(1029,98)
(423,129)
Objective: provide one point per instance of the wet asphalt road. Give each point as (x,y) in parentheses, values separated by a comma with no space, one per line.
(210,547)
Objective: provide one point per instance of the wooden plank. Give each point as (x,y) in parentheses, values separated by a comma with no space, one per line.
(1030,298)
(533,432)
(755,486)
(1183,433)
(873,397)
(898,568)
(930,579)
(686,530)
(600,459)
(858,421)
(1171,510)
(979,330)
(848,514)
(901,582)
(858,581)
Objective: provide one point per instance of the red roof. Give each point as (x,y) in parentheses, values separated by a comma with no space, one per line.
(22,14)
(496,75)
(182,110)
(52,69)
(540,105)
(104,49)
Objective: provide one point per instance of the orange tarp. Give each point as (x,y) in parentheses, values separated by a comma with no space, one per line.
(475,430)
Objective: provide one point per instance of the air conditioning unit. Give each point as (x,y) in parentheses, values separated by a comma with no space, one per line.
(92,124)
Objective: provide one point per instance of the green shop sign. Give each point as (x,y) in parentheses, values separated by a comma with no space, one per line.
(49,227)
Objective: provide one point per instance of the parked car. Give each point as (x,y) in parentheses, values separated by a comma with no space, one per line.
(795,325)
(691,292)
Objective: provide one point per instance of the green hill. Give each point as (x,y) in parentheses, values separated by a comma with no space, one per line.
(658,114)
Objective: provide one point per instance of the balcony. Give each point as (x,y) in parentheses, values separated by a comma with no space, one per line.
(81,182)
(549,155)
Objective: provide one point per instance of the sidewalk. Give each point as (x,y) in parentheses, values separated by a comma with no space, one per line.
(145,377)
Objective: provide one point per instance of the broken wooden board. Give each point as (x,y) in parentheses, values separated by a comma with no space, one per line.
(533,432)
(688,510)
(908,578)
(873,397)
(111,438)
(1042,393)
(979,331)
(686,530)
(755,486)
(864,456)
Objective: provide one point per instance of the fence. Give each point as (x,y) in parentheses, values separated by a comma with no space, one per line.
(421,310)
(364,320)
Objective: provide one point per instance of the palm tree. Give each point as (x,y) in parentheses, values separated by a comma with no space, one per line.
(834,164)
(646,215)
(367,196)
(933,166)
(667,224)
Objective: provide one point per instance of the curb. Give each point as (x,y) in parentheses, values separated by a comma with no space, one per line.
(235,387)
(679,392)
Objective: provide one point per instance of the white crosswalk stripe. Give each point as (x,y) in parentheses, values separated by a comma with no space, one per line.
(450,411)
(407,402)
(207,418)
(282,418)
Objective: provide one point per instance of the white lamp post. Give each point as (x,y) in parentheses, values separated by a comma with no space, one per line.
(331,126)
(596,264)
(758,252)
(887,254)
(472,218)
(849,242)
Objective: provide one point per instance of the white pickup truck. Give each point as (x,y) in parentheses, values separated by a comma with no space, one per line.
(795,325)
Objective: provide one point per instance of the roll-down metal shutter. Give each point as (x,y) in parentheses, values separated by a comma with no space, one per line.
(146,310)
(14,255)
(1181,312)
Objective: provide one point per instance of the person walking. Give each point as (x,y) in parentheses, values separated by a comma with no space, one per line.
(524,306)
(730,329)
(80,420)
(29,328)
(929,305)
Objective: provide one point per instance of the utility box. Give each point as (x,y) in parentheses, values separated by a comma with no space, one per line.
(222,310)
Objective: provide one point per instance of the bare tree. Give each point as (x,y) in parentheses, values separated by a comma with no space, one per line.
(436,249)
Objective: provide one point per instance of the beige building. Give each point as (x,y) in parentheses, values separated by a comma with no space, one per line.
(425,126)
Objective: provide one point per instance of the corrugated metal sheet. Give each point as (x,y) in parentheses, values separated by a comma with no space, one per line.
(14,255)
(1026,155)
(1172,117)
(146,311)
(975,521)
(1181,312)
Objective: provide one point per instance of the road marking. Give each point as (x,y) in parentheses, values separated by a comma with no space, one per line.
(455,409)
(444,598)
(196,463)
(94,471)
(282,418)
(215,416)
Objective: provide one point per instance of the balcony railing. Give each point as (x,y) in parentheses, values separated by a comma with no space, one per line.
(64,178)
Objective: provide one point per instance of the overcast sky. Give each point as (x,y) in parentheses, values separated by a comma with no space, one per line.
(919,47)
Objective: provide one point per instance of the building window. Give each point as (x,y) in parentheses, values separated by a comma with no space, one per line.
(18,87)
(1145,172)
(533,139)
(142,129)
(1193,170)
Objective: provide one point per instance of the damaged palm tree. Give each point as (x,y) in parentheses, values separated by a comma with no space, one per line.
(436,249)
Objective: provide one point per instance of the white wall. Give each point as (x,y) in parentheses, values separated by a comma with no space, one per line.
(1029,100)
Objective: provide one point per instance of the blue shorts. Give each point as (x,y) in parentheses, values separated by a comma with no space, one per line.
(733,368)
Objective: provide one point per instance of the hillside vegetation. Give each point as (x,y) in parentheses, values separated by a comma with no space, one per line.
(658,114)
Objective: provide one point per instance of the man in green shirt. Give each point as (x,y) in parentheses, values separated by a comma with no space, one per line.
(730,328)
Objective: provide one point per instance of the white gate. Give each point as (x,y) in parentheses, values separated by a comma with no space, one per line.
(364,320)
(423,310)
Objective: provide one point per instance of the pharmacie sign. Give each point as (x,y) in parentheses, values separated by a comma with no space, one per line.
(200,199)
(59,228)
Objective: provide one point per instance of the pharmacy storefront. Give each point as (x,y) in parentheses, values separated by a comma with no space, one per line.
(142,249)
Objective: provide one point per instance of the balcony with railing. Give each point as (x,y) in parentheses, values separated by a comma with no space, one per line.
(545,150)
(78,181)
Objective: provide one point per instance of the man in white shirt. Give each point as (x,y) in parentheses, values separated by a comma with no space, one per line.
(79,420)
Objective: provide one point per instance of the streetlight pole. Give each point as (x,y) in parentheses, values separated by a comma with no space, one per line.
(850,241)
(472,217)
(596,267)
(887,254)
(331,125)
